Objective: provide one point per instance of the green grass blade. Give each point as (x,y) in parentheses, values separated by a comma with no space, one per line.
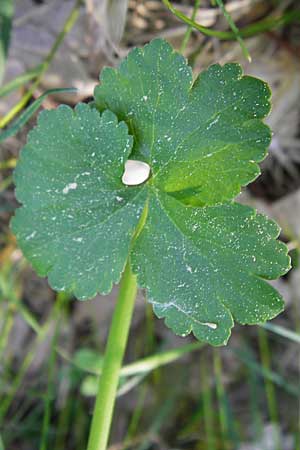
(151,362)
(208,409)
(6,15)
(20,80)
(265,357)
(223,417)
(281,331)
(61,298)
(137,414)
(255,395)
(189,29)
(266,373)
(235,29)
(260,26)
(28,113)
(161,416)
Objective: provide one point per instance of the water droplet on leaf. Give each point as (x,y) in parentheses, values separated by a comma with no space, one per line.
(136,172)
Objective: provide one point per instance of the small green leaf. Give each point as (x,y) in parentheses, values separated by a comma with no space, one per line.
(88,359)
(202,258)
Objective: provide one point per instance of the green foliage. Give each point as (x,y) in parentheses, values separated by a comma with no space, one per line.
(29,112)
(77,219)
(202,140)
(6,16)
(202,258)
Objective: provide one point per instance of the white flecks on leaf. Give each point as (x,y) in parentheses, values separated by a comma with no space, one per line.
(30,236)
(69,187)
(212,325)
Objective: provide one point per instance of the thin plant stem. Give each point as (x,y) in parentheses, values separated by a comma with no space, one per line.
(208,410)
(115,349)
(16,383)
(10,290)
(274,377)
(189,29)
(136,416)
(72,18)
(51,370)
(7,326)
(221,399)
(254,400)
(5,183)
(235,29)
(20,80)
(162,414)
(251,30)
(270,390)
(284,332)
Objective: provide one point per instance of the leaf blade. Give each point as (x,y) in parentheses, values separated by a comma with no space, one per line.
(177,122)
(184,258)
(77,219)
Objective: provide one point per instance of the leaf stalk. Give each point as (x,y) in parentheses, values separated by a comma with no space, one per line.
(114,353)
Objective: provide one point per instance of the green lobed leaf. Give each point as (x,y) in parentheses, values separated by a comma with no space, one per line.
(202,258)
(203,139)
(203,267)
(77,218)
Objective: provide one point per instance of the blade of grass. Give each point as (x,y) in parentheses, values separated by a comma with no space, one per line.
(160,417)
(208,409)
(141,366)
(251,30)
(221,399)
(20,80)
(265,357)
(10,291)
(64,418)
(189,29)
(235,29)
(160,359)
(137,414)
(130,384)
(8,321)
(28,113)
(89,386)
(61,298)
(5,183)
(17,381)
(267,374)
(6,16)
(254,397)
(25,422)
(233,425)
(144,365)
(72,18)
(281,331)
(1,444)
